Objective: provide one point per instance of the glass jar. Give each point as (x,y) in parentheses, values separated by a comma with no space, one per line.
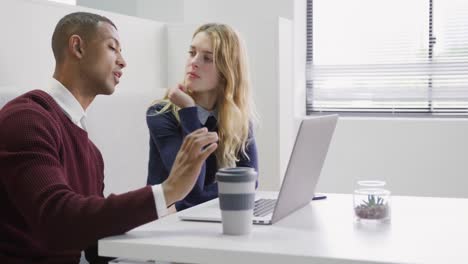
(371,201)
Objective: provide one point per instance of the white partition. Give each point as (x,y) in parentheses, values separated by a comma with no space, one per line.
(179,38)
(116,123)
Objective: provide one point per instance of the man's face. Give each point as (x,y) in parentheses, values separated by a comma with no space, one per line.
(102,62)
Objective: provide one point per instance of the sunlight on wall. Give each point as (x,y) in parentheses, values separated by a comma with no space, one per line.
(68,2)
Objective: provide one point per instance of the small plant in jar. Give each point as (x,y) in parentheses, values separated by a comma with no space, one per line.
(372,201)
(372,208)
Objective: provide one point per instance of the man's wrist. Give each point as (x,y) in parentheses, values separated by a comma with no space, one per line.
(159,200)
(169,193)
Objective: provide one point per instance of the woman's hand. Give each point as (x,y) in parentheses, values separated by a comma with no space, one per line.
(178,96)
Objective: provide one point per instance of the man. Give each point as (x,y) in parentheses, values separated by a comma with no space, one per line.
(51,174)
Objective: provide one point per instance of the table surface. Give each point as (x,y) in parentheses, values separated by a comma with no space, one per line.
(422,230)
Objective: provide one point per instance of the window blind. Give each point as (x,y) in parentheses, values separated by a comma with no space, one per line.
(387,56)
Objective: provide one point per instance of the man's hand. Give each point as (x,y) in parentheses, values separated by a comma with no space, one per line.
(179,97)
(197,146)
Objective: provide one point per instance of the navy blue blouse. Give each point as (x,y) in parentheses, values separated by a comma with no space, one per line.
(166,136)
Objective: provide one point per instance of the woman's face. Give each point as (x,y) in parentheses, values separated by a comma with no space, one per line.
(201,75)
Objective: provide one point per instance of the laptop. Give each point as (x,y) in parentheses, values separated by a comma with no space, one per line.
(298,187)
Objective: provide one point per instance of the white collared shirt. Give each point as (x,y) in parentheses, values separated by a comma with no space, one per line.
(65,99)
(203,114)
(75,112)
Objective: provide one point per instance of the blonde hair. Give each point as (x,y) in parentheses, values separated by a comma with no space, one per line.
(236,110)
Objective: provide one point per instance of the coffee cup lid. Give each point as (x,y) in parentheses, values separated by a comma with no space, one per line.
(237,174)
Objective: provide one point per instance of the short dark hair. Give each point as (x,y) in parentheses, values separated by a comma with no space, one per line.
(80,23)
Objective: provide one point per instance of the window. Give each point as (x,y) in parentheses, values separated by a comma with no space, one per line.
(387,56)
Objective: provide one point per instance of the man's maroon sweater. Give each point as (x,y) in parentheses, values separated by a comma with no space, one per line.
(51,187)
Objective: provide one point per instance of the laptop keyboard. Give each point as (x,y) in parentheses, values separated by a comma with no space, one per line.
(264,207)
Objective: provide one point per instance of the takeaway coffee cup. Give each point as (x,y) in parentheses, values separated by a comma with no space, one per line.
(236,187)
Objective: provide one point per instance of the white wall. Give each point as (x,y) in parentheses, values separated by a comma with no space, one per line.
(416,156)
(179,37)
(288,125)
(235,11)
(299,50)
(115,123)
(159,10)
(116,6)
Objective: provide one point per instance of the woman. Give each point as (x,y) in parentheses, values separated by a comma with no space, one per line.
(216,94)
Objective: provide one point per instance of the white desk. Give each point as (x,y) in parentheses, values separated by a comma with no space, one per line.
(422,230)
